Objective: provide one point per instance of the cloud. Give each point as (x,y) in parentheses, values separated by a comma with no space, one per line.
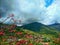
(42,11)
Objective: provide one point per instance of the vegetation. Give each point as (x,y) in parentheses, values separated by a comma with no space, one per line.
(13,35)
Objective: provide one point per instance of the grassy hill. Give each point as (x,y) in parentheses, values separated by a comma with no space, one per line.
(42,29)
(35,34)
(56,26)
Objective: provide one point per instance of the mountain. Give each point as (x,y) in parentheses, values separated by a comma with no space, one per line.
(56,26)
(32,26)
(40,28)
(30,32)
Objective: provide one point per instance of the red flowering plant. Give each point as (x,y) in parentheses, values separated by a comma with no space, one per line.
(28,36)
(14,38)
(12,30)
(12,27)
(21,42)
(19,33)
(2,33)
(30,44)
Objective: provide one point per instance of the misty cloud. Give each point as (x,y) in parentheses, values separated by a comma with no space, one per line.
(42,11)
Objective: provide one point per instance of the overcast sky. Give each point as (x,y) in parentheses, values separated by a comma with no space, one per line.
(43,11)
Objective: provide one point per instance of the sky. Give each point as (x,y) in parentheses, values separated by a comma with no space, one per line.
(46,12)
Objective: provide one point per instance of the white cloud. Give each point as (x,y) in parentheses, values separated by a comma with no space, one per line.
(35,9)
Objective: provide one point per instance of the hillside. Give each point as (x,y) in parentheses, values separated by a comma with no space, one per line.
(40,28)
(56,26)
(34,33)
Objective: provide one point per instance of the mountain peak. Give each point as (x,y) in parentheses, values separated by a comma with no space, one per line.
(33,26)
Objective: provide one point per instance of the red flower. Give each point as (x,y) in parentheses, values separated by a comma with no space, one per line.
(12,30)
(11,37)
(12,26)
(2,33)
(29,36)
(19,33)
(21,42)
(18,43)
(30,44)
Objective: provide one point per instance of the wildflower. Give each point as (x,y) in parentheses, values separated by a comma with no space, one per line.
(12,30)
(2,33)
(12,37)
(18,43)
(45,43)
(31,36)
(28,36)
(19,33)
(30,44)
(21,42)
(12,26)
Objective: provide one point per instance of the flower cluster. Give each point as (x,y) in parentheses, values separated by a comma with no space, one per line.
(15,36)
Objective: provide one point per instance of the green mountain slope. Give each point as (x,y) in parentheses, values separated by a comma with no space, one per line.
(37,27)
(31,32)
(40,28)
